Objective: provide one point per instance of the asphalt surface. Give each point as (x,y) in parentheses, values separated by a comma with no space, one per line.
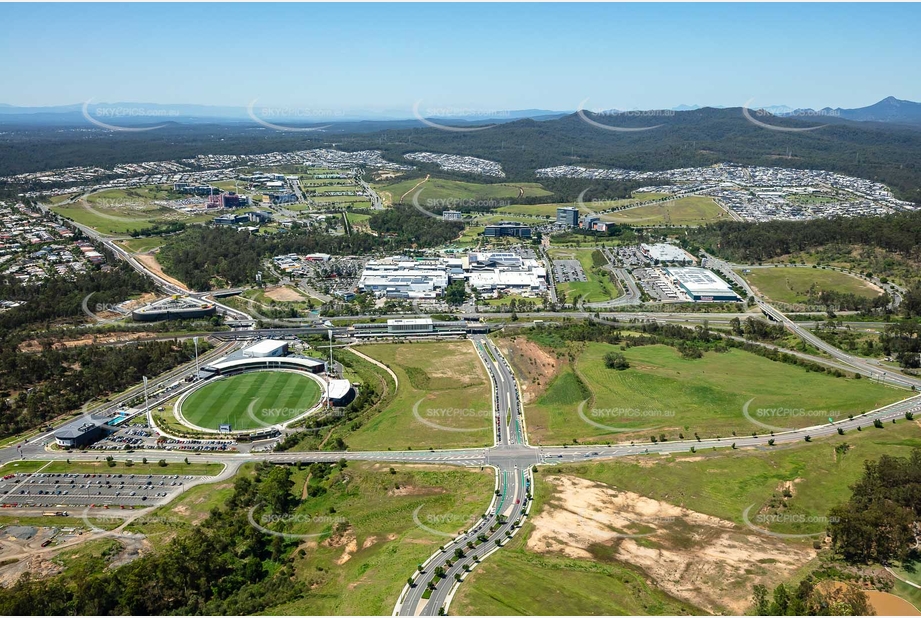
(511,456)
(512,459)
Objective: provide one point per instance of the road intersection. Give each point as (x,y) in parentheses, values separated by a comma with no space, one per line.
(511,456)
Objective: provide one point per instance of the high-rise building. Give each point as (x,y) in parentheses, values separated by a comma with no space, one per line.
(567,216)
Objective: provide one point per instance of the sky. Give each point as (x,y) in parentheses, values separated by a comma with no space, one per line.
(474,57)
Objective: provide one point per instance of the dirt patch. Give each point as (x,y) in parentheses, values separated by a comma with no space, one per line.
(887,604)
(181,509)
(283,294)
(151,263)
(349,541)
(706,561)
(371,540)
(535,366)
(34,345)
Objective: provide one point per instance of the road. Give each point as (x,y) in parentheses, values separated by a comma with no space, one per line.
(512,459)
(510,456)
(866,367)
(376,202)
(164,284)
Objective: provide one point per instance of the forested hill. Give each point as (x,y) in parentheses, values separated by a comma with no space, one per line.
(881,152)
(748,242)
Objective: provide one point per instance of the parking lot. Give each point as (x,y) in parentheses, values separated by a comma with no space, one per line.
(566,271)
(139,436)
(51,490)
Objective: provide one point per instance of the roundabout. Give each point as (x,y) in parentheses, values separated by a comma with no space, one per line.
(250,401)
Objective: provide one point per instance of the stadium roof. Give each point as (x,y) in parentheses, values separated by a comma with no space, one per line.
(266,361)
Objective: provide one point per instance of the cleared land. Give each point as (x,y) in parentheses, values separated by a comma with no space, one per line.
(252,400)
(598,286)
(663,393)
(695,545)
(372,543)
(443,399)
(793,284)
(790,490)
(520,581)
(692,210)
(141,245)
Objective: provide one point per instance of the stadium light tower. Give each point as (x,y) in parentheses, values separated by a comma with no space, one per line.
(331,367)
(147,404)
(195,340)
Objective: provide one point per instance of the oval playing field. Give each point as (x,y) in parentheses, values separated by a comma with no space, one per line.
(253,400)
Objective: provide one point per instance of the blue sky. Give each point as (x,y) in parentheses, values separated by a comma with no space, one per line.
(472,56)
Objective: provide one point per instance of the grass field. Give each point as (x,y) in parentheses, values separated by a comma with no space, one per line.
(662,392)
(792,284)
(518,582)
(691,210)
(118,211)
(440,189)
(452,390)
(362,570)
(588,205)
(599,286)
(253,400)
(111,221)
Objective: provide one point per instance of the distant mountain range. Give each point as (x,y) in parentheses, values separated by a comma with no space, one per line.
(889,110)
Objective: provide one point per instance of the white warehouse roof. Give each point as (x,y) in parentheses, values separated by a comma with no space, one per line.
(265,347)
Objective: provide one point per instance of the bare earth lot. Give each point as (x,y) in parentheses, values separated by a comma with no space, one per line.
(703,560)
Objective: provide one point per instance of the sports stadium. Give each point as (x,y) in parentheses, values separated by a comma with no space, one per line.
(260,388)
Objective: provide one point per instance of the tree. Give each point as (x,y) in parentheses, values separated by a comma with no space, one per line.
(616,360)
(456,293)
(275,490)
(760,600)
